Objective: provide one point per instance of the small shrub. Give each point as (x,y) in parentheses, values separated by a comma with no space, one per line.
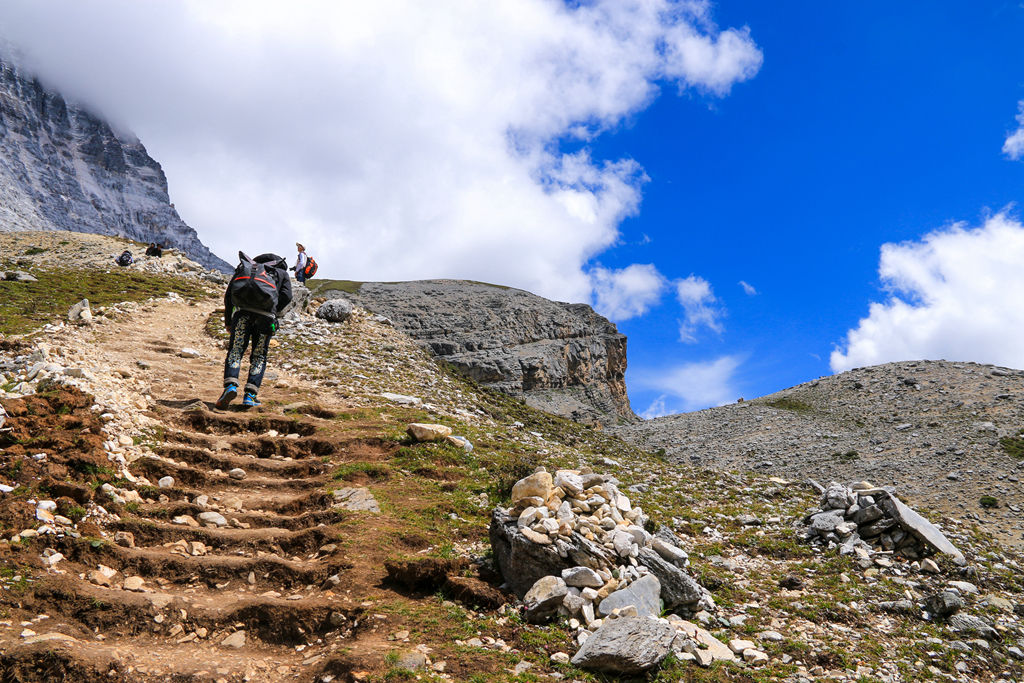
(506,474)
(988,502)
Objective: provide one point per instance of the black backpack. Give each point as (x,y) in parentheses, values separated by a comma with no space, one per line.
(125,259)
(253,287)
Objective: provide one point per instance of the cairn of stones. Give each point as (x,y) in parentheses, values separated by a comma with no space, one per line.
(572,545)
(862,520)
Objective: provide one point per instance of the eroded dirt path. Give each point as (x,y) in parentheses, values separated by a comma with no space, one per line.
(255,576)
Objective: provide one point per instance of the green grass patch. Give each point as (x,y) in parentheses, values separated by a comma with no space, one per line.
(348,286)
(789,403)
(1013,445)
(848,456)
(354,470)
(25,306)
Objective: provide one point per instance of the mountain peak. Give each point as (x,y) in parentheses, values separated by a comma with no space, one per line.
(62,167)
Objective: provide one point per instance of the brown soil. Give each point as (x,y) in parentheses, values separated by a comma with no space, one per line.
(306,582)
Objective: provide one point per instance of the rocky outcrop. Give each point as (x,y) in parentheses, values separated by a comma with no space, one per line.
(64,168)
(945,434)
(561,358)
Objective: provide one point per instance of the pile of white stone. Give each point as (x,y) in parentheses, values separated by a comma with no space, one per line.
(51,523)
(607,575)
(861,519)
(580,500)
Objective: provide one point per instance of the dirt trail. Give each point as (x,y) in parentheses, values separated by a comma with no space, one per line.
(291,572)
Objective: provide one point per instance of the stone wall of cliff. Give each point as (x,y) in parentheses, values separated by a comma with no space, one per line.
(561,358)
(63,168)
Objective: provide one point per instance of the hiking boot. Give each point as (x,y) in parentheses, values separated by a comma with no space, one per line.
(230,391)
(250,400)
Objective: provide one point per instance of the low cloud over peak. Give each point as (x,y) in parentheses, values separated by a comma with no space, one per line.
(397,140)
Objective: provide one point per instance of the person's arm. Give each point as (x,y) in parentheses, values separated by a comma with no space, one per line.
(227,307)
(284,296)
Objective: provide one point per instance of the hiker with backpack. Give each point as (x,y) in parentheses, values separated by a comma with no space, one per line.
(305,267)
(258,291)
(125,259)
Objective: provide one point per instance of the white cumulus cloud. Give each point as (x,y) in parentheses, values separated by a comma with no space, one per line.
(395,139)
(627,292)
(691,386)
(700,308)
(748,288)
(1013,147)
(955,295)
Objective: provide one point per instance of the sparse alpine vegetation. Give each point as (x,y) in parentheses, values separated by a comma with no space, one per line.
(315,539)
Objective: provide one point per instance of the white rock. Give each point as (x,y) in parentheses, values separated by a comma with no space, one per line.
(165,482)
(428,432)
(738,646)
(135,583)
(52,560)
(235,640)
(211,517)
(582,577)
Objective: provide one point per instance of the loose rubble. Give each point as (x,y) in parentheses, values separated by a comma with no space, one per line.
(862,519)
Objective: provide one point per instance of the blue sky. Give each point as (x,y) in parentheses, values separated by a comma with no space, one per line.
(866,124)
(856,165)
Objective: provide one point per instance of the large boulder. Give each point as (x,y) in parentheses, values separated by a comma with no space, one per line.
(80,312)
(627,645)
(335,310)
(544,598)
(537,485)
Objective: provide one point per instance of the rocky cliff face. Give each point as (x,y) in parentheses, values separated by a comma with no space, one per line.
(561,358)
(63,168)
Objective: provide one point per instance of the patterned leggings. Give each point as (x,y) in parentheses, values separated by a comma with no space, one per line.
(248,327)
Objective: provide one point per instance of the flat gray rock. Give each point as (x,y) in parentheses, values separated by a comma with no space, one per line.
(626,645)
(920,527)
(358,499)
(18,276)
(644,594)
(678,589)
(970,624)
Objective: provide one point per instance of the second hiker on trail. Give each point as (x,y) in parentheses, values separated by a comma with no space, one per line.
(257,292)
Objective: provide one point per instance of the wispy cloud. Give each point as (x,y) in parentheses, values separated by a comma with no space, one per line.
(954,295)
(700,308)
(748,288)
(627,292)
(691,386)
(656,409)
(1013,147)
